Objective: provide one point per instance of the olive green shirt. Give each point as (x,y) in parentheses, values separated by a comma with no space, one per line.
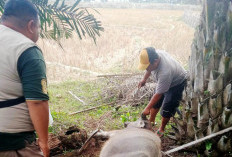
(32,72)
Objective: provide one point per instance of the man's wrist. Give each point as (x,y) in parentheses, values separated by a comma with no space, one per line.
(43,140)
(43,143)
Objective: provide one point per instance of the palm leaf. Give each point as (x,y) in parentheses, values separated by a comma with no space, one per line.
(66,19)
(1,6)
(59,20)
(75,5)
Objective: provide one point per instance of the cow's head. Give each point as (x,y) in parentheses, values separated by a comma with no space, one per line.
(140,123)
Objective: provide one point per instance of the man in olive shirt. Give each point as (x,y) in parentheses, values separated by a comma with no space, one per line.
(170,77)
(23,83)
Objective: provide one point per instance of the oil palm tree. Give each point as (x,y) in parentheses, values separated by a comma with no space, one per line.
(59,20)
(207,100)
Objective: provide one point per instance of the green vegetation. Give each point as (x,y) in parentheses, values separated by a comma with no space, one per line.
(62,103)
(208,145)
(59,20)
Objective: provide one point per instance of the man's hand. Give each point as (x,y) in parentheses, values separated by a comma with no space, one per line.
(146,111)
(44,148)
(141,83)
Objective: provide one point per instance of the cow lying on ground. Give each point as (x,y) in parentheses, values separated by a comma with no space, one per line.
(136,140)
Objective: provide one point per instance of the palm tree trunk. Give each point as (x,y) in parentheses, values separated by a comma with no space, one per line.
(207,100)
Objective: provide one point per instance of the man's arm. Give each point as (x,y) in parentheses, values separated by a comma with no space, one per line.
(154,100)
(163,85)
(146,76)
(32,71)
(38,111)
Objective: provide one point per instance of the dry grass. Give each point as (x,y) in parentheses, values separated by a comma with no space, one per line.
(126,32)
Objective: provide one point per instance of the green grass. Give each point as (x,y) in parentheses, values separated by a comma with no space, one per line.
(62,103)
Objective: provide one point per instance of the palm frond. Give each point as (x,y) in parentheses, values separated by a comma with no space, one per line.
(59,20)
(64,20)
(2,2)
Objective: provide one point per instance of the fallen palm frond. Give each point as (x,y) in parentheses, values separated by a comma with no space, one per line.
(125,89)
(121,91)
(199,140)
(77,98)
(92,108)
(120,75)
(88,141)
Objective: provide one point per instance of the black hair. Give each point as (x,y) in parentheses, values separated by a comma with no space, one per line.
(152,54)
(23,10)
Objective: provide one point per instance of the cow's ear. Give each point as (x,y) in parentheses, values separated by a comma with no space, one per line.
(141,124)
(126,124)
